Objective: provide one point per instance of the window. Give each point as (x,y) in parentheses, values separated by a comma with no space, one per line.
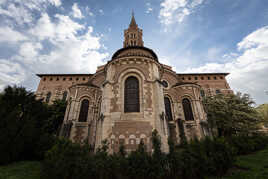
(132,102)
(64,79)
(202,78)
(195,78)
(44,79)
(51,79)
(64,96)
(221,77)
(83,111)
(70,79)
(182,78)
(189,78)
(215,78)
(208,78)
(77,79)
(48,97)
(165,84)
(84,79)
(57,79)
(168,109)
(218,91)
(187,109)
(202,93)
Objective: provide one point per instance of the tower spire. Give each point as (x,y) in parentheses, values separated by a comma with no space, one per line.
(133,23)
(133,35)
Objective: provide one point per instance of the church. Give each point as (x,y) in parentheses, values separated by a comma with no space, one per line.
(130,96)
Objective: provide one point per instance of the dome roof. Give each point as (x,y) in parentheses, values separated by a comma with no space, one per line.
(135,51)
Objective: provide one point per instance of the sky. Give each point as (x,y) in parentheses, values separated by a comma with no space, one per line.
(192,36)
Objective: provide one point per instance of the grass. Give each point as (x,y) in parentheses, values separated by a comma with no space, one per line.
(253,166)
(21,170)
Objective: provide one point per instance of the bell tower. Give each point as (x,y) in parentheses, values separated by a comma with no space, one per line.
(133,35)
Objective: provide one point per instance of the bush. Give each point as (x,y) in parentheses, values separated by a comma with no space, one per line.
(67,160)
(248,144)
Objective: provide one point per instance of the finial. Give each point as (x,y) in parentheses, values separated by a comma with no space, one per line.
(132,13)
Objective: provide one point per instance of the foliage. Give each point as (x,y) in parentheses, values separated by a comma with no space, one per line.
(195,159)
(27,125)
(231,115)
(263,110)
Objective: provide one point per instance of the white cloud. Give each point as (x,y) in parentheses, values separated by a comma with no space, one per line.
(49,44)
(77,12)
(90,13)
(10,73)
(248,71)
(9,35)
(149,8)
(22,11)
(175,11)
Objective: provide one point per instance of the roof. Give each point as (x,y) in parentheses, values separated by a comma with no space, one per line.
(135,47)
(81,74)
(225,74)
(185,83)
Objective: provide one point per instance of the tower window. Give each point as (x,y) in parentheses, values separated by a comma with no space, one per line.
(187,109)
(83,111)
(132,102)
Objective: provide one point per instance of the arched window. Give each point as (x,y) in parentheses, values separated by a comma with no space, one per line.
(168,108)
(48,97)
(132,102)
(187,109)
(202,93)
(218,91)
(64,96)
(83,111)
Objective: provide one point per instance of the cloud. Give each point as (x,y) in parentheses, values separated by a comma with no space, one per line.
(76,12)
(149,8)
(10,73)
(49,43)
(175,11)
(90,13)
(249,66)
(23,11)
(11,36)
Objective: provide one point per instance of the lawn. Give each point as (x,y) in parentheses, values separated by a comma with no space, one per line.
(253,166)
(21,170)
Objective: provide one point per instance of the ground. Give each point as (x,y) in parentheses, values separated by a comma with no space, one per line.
(253,166)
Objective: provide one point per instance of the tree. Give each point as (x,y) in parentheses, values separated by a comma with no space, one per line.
(27,125)
(231,115)
(263,111)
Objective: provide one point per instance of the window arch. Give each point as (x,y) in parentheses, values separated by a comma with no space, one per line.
(48,97)
(64,96)
(83,111)
(132,101)
(187,109)
(168,108)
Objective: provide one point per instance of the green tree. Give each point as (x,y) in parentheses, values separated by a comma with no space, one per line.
(263,111)
(231,115)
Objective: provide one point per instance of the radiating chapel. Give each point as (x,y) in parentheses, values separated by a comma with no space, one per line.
(130,96)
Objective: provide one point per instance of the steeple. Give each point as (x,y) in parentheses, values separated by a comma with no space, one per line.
(133,22)
(133,35)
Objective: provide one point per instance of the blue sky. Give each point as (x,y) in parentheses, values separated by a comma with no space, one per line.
(64,36)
